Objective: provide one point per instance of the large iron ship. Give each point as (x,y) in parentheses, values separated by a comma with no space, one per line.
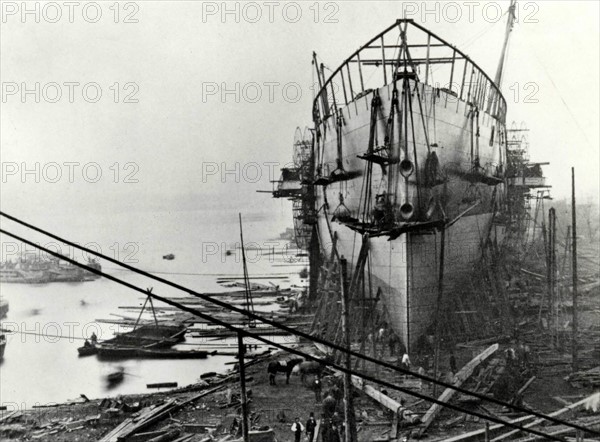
(403,174)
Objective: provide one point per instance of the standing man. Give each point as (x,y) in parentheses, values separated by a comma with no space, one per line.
(453,363)
(329,405)
(422,372)
(297,429)
(311,424)
(317,388)
(405,361)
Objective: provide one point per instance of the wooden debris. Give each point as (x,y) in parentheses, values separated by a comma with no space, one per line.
(539,421)
(588,378)
(459,379)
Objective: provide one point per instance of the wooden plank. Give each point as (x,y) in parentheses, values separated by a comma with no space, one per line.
(539,421)
(494,429)
(459,379)
(375,394)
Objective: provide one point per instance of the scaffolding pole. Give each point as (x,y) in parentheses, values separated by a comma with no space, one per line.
(348,402)
(574,272)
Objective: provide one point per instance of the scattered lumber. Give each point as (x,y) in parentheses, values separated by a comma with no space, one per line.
(459,379)
(519,394)
(593,423)
(539,421)
(588,377)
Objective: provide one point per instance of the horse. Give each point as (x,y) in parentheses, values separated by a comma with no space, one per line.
(312,367)
(282,366)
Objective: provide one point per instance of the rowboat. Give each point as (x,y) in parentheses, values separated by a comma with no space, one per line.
(115,377)
(87,350)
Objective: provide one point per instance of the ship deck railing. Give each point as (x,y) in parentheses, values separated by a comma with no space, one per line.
(438,64)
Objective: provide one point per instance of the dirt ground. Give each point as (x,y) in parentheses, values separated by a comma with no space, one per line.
(274,406)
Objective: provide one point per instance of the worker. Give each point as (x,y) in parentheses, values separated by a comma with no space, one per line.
(422,372)
(392,340)
(329,405)
(94,338)
(381,333)
(325,429)
(297,429)
(334,433)
(452,363)
(405,361)
(317,388)
(311,425)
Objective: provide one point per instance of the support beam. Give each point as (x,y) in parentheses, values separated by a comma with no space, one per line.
(241,351)
(459,379)
(348,401)
(539,421)
(574,271)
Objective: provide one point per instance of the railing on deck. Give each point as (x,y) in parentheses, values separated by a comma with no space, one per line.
(388,55)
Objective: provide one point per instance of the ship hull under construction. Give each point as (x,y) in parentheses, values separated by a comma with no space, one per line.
(397,164)
(407,268)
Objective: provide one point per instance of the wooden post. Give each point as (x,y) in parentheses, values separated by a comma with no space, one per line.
(574,257)
(241,352)
(348,402)
(436,359)
(314,265)
(552,317)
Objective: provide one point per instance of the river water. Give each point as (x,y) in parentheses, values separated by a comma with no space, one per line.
(50,321)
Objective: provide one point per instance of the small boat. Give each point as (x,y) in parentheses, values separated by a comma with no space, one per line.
(87,350)
(2,345)
(115,377)
(3,308)
(145,337)
(169,257)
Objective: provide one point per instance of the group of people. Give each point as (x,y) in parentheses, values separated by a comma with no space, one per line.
(94,340)
(298,428)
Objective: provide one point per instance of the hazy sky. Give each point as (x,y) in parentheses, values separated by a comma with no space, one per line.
(162,119)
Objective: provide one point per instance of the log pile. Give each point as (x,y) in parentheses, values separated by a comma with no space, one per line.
(587,378)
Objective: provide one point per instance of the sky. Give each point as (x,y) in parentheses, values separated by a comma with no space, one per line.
(140,106)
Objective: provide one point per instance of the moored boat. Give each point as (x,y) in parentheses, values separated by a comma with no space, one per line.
(3,308)
(116,352)
(2,345)
(87,350)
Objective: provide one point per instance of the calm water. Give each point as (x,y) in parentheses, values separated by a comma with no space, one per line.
(45,369)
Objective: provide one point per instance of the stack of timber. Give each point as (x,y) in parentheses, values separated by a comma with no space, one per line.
(585,378)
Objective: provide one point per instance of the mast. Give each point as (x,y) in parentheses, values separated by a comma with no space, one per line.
(248,293)
(500,70)
(509,26)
